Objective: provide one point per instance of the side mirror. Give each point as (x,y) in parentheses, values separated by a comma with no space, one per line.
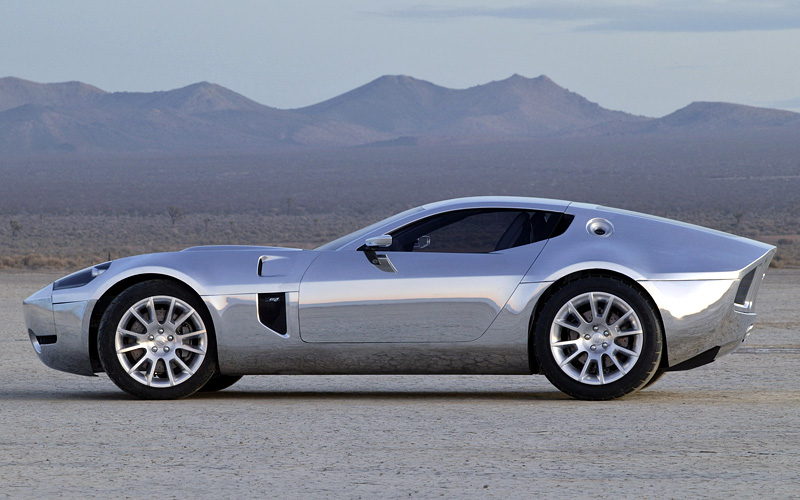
(382,241)
(422,242)
(382,262)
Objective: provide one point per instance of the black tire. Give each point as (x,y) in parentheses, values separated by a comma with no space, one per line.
(659,373)
(598,356)
(219,382)
(169,358)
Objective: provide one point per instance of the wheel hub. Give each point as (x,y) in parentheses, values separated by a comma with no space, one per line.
(161,341)
(595,338)
(599,340)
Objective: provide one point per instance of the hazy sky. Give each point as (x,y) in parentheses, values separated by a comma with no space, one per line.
(641,56)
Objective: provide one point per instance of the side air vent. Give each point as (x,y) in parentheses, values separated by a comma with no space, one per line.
(272,311)
(744,288)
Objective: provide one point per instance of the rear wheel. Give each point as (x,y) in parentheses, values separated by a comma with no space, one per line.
(598,338)
(156,341)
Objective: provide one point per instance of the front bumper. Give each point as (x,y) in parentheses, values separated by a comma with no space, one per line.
(59,333)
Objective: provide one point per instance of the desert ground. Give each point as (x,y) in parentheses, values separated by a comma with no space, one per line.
(72,211)
(729,429)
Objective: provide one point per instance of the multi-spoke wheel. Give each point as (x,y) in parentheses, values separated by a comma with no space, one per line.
(155,341)
(598,338)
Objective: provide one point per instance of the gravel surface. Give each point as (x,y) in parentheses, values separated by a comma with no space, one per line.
(731,428)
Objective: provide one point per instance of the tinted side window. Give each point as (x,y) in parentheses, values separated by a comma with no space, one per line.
(474,231)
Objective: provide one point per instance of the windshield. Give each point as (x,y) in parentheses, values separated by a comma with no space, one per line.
(340,242)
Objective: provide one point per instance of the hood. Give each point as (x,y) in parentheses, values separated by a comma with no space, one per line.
(209,270)
(237,248)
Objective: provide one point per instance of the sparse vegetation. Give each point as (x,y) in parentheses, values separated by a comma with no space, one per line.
(86,208)
(175,213)
(76,241)
(16,227)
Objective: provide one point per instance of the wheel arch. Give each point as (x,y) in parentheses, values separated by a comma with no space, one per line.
(109,295)
(590,273)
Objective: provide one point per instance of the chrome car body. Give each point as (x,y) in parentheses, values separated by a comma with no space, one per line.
(355,308)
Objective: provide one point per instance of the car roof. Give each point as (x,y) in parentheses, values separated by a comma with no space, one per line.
(497,202)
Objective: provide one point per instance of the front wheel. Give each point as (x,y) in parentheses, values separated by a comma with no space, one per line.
(156,341)
(598,338)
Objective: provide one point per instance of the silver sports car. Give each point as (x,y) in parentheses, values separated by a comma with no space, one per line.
(601,301)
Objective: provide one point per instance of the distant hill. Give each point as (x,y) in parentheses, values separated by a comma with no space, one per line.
(198,98)
(517,106)
(392,110)
(709,119)
(726,116)
(203,117)
(15,92)
(391,104)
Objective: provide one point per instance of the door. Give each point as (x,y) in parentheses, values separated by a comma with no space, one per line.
(450,275)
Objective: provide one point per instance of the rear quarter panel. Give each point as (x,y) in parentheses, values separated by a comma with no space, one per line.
(644,248)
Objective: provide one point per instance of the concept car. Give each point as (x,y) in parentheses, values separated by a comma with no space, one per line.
(601,301)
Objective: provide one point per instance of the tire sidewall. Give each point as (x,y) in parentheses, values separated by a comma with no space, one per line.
(645,366)
(107,333)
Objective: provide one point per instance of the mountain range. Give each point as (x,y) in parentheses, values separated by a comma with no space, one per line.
(391,110)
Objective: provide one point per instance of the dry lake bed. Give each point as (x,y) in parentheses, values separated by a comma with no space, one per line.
(729,429)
